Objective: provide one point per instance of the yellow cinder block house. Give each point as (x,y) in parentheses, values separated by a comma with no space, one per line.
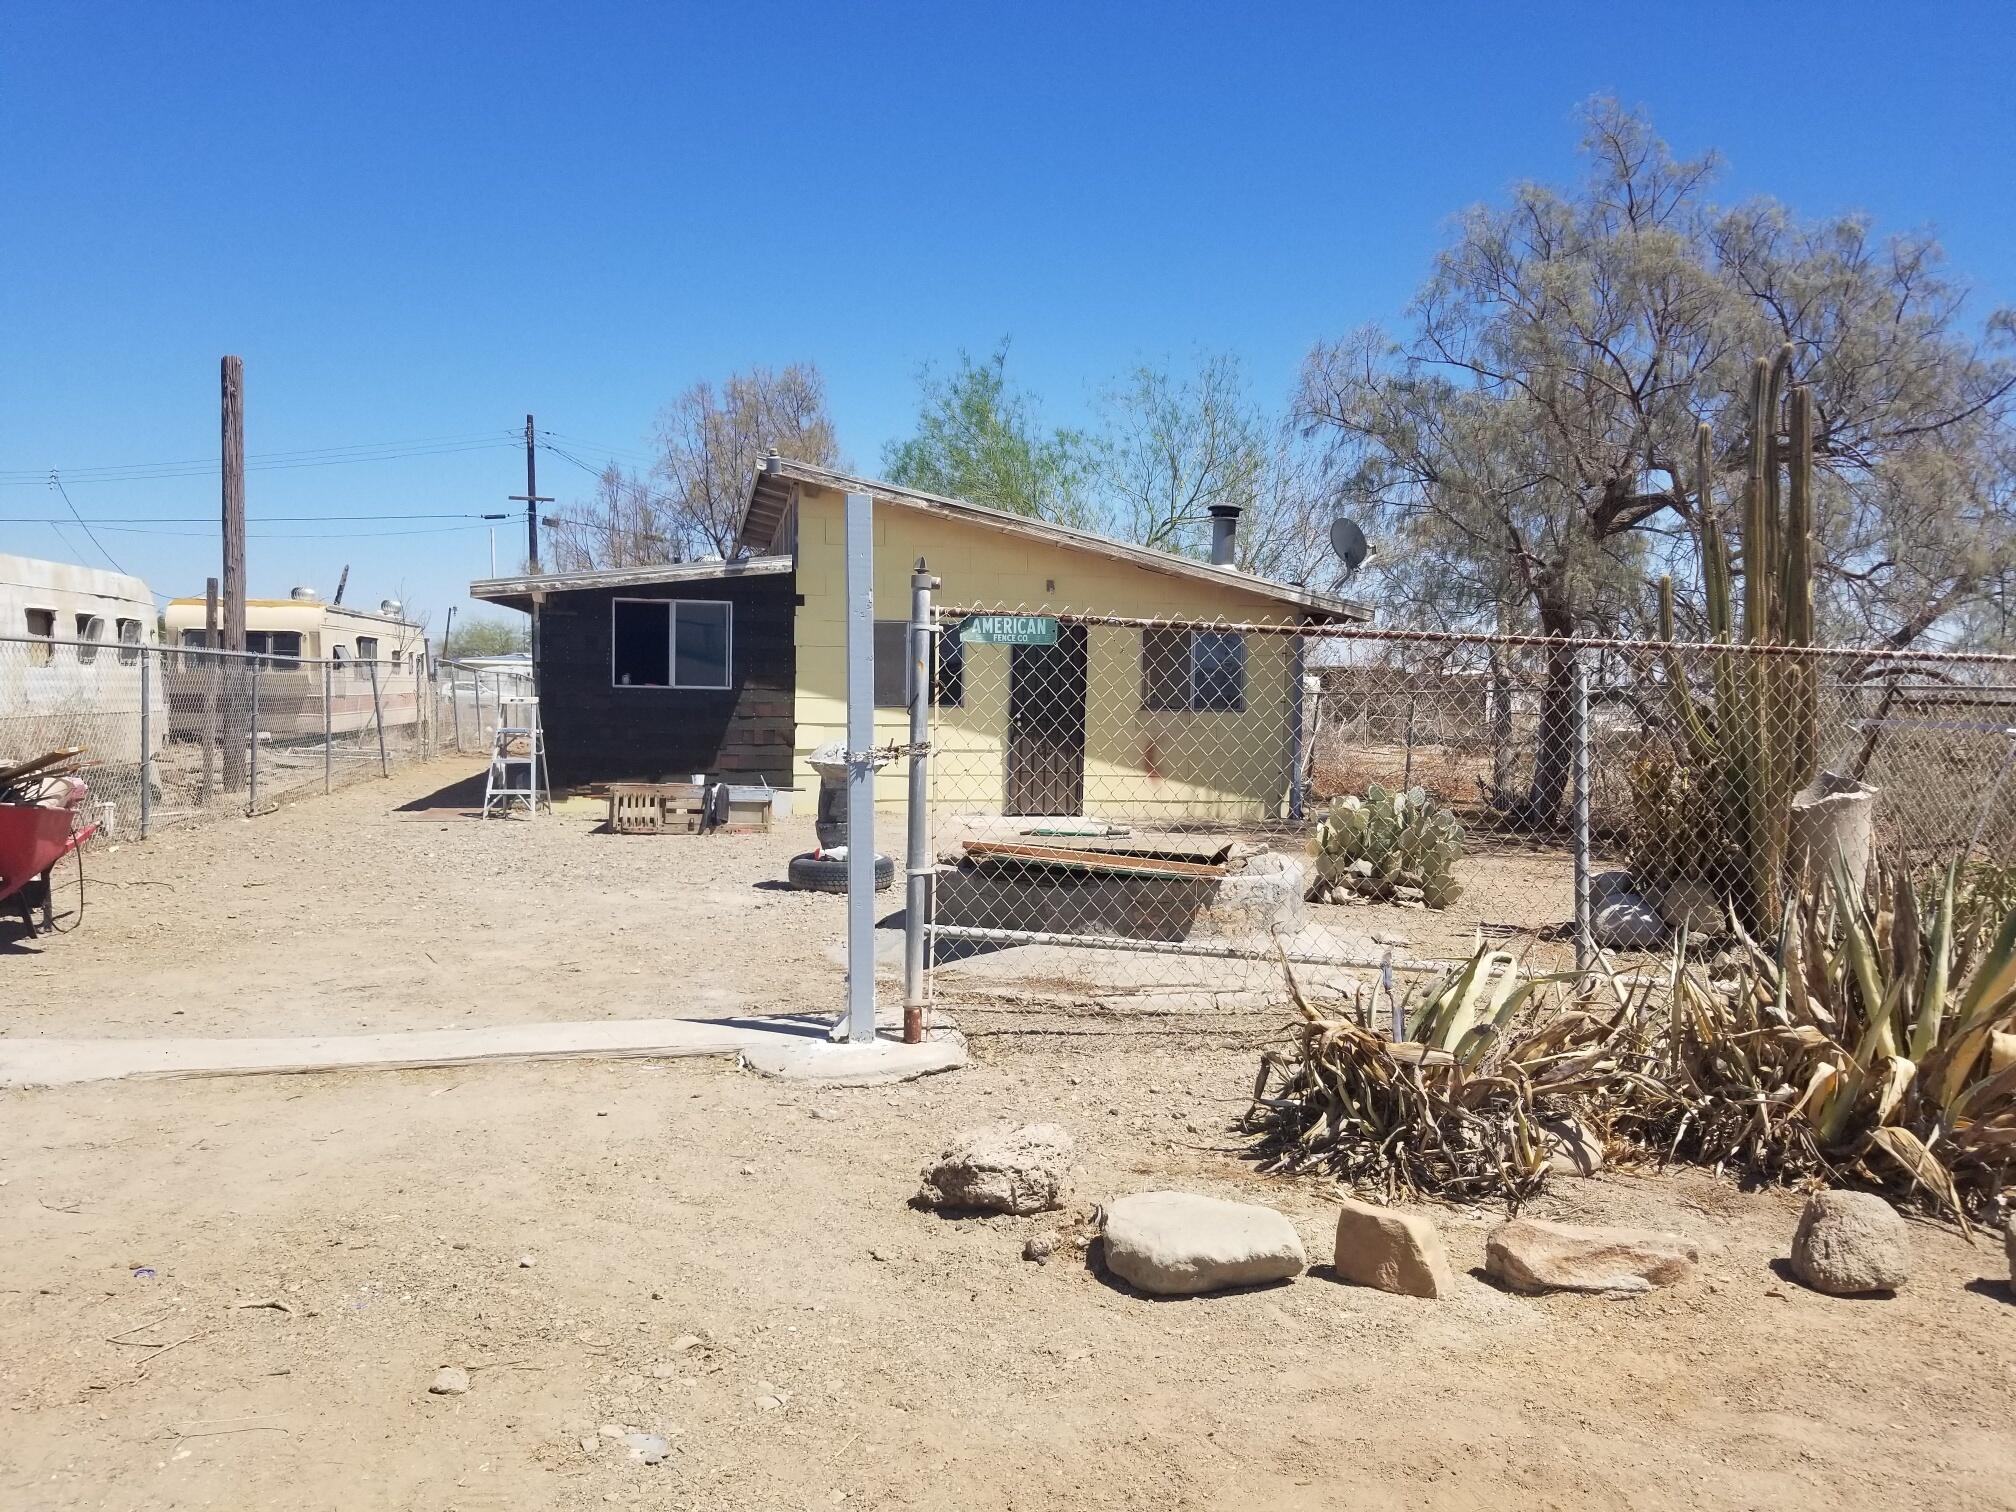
(737,670)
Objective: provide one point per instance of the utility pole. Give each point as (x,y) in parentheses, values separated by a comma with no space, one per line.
(532,499)
(232,381)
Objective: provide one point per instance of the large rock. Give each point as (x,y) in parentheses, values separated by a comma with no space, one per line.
(1625,921)
(1177,1244)
(1576,1149)
(1693,906)
(1394,1251)
(1025,1170)
(1850,1243)
(1530,1255)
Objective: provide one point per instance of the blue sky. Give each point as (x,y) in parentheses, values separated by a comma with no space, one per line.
(419,221)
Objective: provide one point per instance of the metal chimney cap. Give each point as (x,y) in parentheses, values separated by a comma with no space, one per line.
(1224,511)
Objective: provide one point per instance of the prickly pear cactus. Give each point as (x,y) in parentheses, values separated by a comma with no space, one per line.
(1384,841)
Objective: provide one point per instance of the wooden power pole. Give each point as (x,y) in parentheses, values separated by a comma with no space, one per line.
(233,667)
(532,499)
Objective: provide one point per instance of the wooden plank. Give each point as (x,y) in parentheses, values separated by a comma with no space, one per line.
(1089,860)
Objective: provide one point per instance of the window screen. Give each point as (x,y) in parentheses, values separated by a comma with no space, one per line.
(1219,662)
(129,641)
(892,666)
(1193,670)
(90,631)
(700,633)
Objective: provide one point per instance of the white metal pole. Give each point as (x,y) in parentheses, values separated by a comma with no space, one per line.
(146,742)
(918,863)
(860,769)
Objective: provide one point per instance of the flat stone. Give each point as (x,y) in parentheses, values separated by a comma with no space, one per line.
(450,1380)
(1851,1243)
(1025,1170)
(1391,1250)
(651,1448)
(1531,1255)
(875,1063)
(1178,1244)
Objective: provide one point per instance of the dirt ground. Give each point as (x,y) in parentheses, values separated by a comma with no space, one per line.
(733,1263)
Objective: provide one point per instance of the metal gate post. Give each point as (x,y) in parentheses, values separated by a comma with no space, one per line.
(918,868)
(420,703)
(328,730)
(1585,941)
(860,769)
(455,706)
(252,788)
(378,718)
(146,744)
(1298,733)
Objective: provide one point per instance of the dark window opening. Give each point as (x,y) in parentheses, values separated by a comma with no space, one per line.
(129,641)
(1165,669)
(641,654)
(42,625)
(367,648)
(90,631)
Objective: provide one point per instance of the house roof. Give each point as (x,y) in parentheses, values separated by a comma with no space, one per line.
(516,592)
(770,496)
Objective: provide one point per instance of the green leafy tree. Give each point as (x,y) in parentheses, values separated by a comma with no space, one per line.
(487,635)
(978,438)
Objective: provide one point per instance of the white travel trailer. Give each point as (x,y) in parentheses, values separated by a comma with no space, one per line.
(71,646)
(290,638)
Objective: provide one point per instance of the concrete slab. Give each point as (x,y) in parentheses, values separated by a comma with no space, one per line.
(52,1062)
(883,1061)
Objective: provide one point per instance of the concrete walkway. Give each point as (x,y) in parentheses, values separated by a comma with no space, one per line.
(803,1041)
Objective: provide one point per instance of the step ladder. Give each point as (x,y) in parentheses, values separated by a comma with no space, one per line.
(518,773)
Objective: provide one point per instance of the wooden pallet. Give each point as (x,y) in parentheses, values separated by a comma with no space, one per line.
(678,808)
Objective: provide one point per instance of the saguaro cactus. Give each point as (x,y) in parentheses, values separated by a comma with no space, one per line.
(1759,734)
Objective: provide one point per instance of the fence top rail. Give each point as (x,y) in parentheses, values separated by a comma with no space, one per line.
(1363,635)
(133,650)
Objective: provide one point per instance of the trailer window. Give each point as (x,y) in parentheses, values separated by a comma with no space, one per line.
(42,625)
(277,650)
(367,648)
(129,641)
(90,631)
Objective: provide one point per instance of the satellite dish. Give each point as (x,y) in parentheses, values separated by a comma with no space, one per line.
(1349,542)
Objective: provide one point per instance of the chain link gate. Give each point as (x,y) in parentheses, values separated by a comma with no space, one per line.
(1123,805)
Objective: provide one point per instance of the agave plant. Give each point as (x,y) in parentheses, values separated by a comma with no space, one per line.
(1384,841)
(1872,1040)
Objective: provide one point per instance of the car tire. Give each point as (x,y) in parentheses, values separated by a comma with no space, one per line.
(825,874)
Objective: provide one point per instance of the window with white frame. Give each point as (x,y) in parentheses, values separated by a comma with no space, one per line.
(129,641)
(90,631)
(671,643)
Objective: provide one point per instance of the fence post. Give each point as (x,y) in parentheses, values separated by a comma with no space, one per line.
(146,743)
(328,727)
(455,706)
(1298,733)
(860,769)
(420,705)
(252,783)
(1585,943)
(918,868)
(378,718)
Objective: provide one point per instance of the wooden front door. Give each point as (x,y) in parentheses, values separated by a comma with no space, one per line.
(1046,726)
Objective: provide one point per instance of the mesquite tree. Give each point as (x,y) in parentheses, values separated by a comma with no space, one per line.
(1524,447)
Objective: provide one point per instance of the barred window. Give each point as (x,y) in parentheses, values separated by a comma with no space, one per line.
(1196,671)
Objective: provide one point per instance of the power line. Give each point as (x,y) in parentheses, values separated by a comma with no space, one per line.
(57,483)
(330,456)
(314,519)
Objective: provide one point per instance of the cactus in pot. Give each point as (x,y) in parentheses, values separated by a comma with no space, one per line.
(1386,840)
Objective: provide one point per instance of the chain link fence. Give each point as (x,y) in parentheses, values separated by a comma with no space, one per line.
(1127,804)
(171,734)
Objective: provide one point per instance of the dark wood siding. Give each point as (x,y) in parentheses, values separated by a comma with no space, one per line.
(599,733)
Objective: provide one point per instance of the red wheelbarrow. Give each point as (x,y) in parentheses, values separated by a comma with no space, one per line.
(33,838)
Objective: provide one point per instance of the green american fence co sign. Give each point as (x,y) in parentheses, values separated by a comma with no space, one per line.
(1008,630)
